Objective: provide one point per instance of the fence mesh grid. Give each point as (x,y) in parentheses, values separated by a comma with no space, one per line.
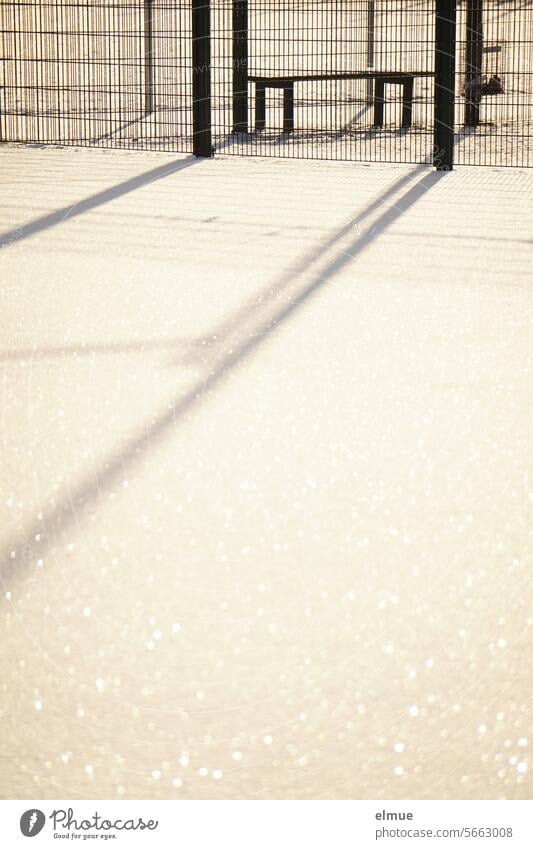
(494,105)
(96,72)
(336,79)
(315,70)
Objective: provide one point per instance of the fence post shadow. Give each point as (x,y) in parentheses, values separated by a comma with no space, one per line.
(238,344)
(60,216)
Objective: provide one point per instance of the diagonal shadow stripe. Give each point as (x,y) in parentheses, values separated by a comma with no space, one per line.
(183,345)
(190,350)
(254,306)
(53,219)
(70,509)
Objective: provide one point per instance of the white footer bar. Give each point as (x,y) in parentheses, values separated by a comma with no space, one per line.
(268,824)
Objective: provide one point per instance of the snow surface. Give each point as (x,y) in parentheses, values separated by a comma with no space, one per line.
(267,497)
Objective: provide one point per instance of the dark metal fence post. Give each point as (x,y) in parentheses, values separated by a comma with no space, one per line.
(148,58)
(474,61)
(240,66)
(370,39)
(201,77)
(445,38)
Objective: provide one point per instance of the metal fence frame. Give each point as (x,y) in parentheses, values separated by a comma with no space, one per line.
(219,54)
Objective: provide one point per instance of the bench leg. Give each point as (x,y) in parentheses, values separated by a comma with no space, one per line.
(379,101)
(369,91)
(407,106)
(288,108)
(260,106)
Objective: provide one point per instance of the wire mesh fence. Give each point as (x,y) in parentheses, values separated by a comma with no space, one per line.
(342,80)
(335,79)
(494,104)
(96,72)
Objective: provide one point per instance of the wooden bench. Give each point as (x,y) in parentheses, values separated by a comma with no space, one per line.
(380,78)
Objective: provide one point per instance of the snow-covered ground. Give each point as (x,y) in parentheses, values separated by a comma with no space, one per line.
(267,467)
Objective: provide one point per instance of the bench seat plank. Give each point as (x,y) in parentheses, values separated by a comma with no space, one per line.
(281,81)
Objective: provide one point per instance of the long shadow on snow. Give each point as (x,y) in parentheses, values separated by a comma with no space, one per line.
(55,520)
